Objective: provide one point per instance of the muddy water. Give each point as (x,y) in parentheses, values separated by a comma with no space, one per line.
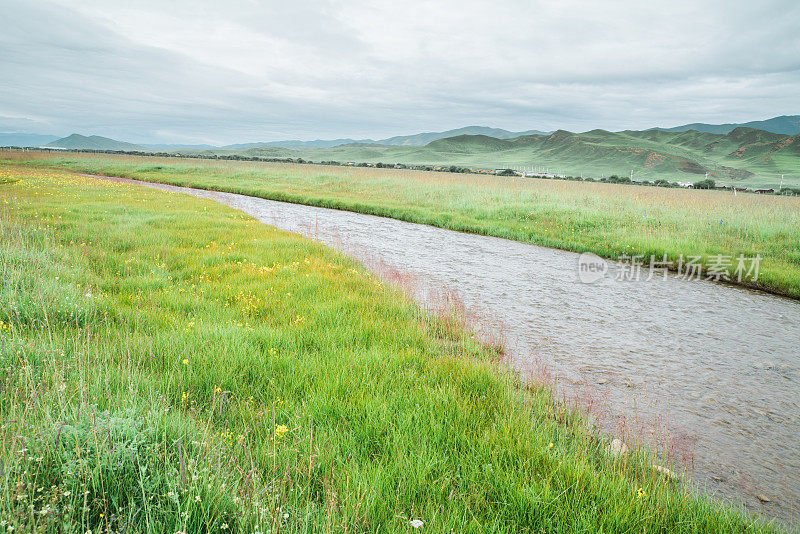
(711,372)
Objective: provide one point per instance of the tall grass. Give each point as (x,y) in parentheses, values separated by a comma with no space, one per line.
(609,220)
(171,365)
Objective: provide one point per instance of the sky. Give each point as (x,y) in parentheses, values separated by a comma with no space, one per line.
(199,71)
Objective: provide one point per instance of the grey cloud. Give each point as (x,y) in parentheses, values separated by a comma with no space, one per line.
(205,71)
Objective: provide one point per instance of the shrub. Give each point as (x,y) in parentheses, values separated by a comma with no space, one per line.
(705,184)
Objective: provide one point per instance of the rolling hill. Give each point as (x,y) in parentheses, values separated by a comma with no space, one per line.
(741,155)
(785,124)
(744,156)
(420,139)
(94,142)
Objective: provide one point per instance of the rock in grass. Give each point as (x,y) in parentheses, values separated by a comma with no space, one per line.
(764,498)
(671,475)
(617,447)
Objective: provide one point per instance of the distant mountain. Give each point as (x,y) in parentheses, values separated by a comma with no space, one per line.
(763,152)
(177,147)
(469,144)
(746,156)
(93,142)
(25,140)
(296,144)
(420,139)
(785,124)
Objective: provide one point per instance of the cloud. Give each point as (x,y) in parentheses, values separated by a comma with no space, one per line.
(244,70)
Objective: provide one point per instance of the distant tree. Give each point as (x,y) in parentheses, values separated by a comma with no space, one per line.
(705,184)
(614,179)
(506,172)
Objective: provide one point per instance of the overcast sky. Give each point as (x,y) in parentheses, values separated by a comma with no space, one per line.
(244,70)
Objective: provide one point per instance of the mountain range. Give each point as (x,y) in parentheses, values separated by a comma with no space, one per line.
(730,153)
(94,142)
(419,139)
(743,155)
(785,124)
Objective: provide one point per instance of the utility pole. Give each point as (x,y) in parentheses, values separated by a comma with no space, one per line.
(780,186)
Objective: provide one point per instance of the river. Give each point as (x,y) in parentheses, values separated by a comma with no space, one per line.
(709,372)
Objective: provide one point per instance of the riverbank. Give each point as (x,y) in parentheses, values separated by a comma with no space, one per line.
(169,363)
(612,221)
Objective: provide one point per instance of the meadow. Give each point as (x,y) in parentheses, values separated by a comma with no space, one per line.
(744,157)
(168,364)
(610,220)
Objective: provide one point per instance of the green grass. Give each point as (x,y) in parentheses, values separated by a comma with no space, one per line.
(606,219)
(744,157)
(168,364)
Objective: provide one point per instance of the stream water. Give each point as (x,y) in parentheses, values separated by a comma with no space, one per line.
(711,372)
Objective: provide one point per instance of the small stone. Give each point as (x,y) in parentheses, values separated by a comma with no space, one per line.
(764,498)
(617,447)
(719,478)
(602,380)
(666,472)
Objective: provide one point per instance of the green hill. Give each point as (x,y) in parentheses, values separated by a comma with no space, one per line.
(94,142)
(422,139)
(469,144)
(785,124)
(743,156)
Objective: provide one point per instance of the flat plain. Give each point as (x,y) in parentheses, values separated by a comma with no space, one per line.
(611,220)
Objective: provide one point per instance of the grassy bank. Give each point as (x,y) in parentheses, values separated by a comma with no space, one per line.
(168,364)
(606,219)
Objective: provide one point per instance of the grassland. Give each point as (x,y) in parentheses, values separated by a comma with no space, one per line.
(171,365)
(743,157)
(606,219)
